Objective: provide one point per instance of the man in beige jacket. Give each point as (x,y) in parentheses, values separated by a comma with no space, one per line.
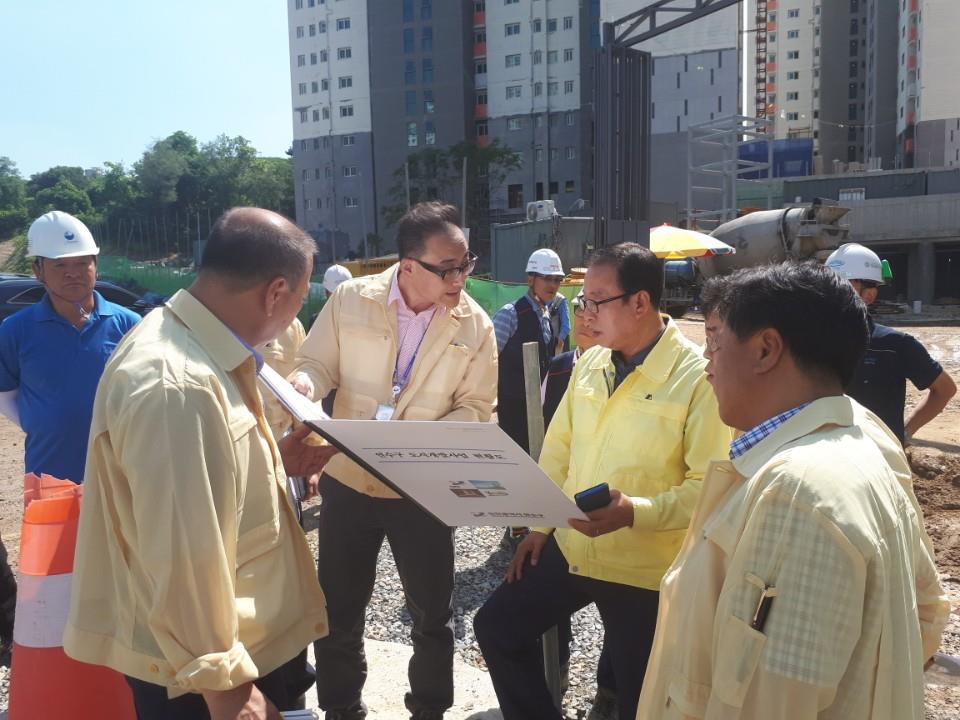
(407,344)
(806,586)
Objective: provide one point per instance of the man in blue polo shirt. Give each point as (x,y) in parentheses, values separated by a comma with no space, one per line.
(53,353)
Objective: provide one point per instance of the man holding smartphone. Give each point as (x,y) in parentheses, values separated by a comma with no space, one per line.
(640,416)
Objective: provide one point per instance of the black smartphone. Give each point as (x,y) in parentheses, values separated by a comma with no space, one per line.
(593,498)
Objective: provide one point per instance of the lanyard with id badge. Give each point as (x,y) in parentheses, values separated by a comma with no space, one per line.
(385,412)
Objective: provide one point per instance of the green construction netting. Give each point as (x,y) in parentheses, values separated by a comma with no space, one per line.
(152,277)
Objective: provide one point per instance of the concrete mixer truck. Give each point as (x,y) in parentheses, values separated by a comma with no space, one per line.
(765,236)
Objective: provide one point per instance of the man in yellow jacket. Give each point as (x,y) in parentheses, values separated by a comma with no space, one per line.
(407,344)
(639,415)
(806,587)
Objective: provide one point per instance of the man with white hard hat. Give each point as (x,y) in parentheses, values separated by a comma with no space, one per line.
(893,357)
(335,275)
(53,353)
(538,316)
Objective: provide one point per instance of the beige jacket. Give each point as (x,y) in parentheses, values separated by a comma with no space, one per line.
(281,354)
(352,347)
(817,510)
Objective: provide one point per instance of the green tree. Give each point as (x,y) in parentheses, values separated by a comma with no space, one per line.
(159,172)
(13,199)
(49,178)
(67,197)
(268,183)
(225,162)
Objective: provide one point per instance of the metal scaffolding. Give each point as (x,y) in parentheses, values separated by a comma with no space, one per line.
(715,168)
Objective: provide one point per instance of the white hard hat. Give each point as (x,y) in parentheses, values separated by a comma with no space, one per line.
(545,262)
(335,275)
(59,235)
(856,262)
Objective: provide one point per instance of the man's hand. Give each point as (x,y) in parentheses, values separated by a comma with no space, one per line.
(300,458)
(618,514)
(313,486)
(303,384)
(245,702)
(531,546)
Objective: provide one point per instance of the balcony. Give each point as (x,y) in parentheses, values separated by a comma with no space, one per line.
(911,62)
(480,112)
(771,87)
(479,50)
(912,34)
(771,67)
(479,18)
(480,81)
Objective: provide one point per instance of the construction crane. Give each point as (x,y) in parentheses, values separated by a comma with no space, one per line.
(621,190)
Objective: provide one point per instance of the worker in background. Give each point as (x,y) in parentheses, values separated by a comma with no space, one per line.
(640,416)
(406,344)
(192,576)
(333,277)
(805,587)
(604,706)
(892,357)
(539,316)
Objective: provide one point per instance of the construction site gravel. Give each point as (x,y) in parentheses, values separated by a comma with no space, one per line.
(481,561)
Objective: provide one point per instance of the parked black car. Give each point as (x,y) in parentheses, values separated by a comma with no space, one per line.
(19,291)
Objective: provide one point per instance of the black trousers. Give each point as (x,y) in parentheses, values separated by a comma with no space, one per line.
(510,623)
(352,527)
(512,419)
(283,687)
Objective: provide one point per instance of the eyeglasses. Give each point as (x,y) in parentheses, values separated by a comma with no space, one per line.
(593,306)
(454,273)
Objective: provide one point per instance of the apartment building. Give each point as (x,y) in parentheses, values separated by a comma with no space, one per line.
(928,106)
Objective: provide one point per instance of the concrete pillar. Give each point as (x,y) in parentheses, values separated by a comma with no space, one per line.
(921,285)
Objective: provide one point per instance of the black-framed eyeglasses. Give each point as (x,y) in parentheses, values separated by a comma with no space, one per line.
(454,273)
(593,306)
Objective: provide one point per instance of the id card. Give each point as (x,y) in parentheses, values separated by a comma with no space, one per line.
(384,412)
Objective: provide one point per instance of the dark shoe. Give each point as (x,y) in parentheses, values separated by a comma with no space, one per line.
(604,706)
(564,678)
(421,713)
(356,713)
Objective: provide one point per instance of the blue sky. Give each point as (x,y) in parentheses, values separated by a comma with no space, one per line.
(86,82)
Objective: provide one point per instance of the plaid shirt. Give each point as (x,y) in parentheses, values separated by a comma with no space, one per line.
(752,437)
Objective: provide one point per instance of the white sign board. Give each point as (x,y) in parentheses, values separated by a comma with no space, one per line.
(461,473)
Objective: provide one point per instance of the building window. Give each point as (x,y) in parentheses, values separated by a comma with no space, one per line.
(852,71)
(793,55)
(480,6)
(513,60)
(299,5)
(793,34)
(427,67)
(346,111)
(302,88)
(551,25)
(515,196)
(793,13)
(326,113)
(537,57)
(511,2)
(351,202)
(306,203)
(537,25)
(852,111)
(303,116)
(568,22)
(568,55)
(316,115)
(567,87)
(410,102)
(301,60)
(772,58)
(538,155)
(299,31)
(316,146)
(410,72)
(852,91)
(854,26)
(428,107)
(553,88)
(348,140)
(321,27)
(553,187)
(480,35)
(323,56)
(345,82)
(571,119)
(313,30)
(409,41)
(482,97)
(568,186)
(793,75)
(537,89)
(793,96)
(554,154)
(482,128)
(324,84)
(426,9)
(412,134)
(344,53)
(793,116)
(511,29)
(316,173)
(480,67)
(515,123)
(514,91)
(426,39)
(538,121)
(343,23)
(429,133)
(314,86)
(350,171)
(854,46)
(408,10)
(571,153)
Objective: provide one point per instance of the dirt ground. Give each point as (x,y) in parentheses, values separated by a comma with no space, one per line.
(935,456)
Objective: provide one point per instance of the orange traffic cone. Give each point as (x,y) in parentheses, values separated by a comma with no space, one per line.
(44,682)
